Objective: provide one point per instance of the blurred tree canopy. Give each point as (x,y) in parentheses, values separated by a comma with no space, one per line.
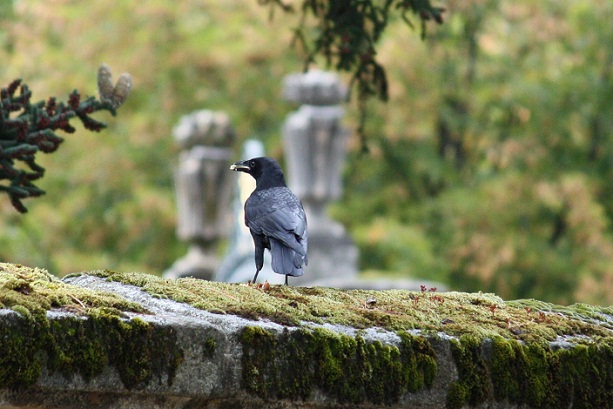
(489,168)
(345,34)
(497,152)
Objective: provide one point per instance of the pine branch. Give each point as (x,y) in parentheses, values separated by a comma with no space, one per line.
(27,128)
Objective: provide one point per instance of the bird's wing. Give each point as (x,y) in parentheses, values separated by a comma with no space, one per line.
(278,213)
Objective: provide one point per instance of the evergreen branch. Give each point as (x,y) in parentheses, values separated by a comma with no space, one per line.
(26,129)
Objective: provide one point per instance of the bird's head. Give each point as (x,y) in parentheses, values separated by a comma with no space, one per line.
(265,171)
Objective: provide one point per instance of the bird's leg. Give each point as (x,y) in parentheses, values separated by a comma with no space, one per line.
(286,278)
(259,258)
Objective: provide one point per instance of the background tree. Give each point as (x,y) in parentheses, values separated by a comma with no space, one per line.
(497,163)
(489,167)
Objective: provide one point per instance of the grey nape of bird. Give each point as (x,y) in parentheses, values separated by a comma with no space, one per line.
(275,218)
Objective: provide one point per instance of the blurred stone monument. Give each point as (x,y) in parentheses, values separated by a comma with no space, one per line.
(315,150)
(238,266)
(203,188)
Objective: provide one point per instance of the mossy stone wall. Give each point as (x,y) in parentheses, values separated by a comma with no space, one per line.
(117,340)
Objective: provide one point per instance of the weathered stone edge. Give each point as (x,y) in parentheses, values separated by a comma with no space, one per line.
(210,360)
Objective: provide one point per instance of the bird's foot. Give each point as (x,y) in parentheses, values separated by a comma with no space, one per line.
(255,277)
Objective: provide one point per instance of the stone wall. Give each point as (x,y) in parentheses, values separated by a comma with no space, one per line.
(117,340)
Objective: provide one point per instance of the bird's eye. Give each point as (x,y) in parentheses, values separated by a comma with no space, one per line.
(252,164)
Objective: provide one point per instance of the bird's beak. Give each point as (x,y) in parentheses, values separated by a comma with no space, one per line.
(240,166)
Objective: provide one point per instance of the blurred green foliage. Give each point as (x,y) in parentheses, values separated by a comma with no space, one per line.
(110,201)
(497,146)
(489,168)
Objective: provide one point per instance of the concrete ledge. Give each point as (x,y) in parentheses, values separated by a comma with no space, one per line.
(118,340)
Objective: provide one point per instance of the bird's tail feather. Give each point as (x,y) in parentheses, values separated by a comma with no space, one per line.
(285,260)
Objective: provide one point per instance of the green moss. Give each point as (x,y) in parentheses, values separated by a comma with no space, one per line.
(22,310)
(517,365)
(348,369)
(21,353)
(504,372)
(457,396)
(37,291)
(482,315)
(208,348)
(71,345)
(73,349)
(473,385)
(587,373)
(418,359)
(139,351)
(142,351)
(257,359)
(535,375)
(599,315)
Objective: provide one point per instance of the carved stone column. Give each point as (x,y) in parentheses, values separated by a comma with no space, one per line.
(315,148)
(203,189)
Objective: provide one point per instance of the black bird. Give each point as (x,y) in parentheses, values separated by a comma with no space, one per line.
(275,218)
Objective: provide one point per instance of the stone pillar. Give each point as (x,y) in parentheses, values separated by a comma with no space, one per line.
(315,148)
(203,189)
